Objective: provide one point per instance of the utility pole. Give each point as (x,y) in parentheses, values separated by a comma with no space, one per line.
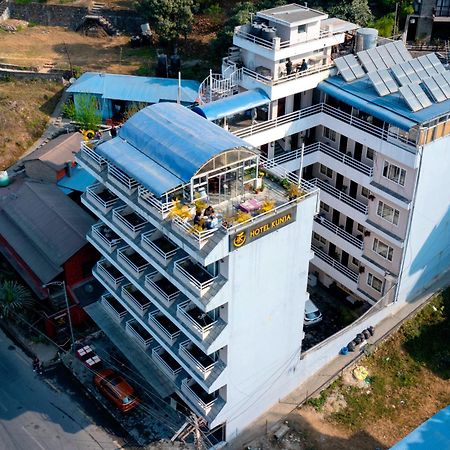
(395,30)
(68,58)
(198,441)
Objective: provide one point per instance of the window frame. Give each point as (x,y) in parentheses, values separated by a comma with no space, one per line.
(329,134)
(370,279)
(324,206)
(397,178)
(388,250)
(395,213)
(372,152)
(326,171)
(301,28)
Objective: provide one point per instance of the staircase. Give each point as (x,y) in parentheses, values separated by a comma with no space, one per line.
(95,14)
(96,8)
(4,14)
(216,86)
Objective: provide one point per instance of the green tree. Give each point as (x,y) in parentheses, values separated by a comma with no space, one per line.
(358,11)
(85,112)
(13,298)
(168,18)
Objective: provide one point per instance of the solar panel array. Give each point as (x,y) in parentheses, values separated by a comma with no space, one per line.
(384,56)
(349,67)
(414,96)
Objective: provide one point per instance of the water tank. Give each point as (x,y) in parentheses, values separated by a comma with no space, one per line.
(256,29)
(4,178)
(366,38)
(268,33)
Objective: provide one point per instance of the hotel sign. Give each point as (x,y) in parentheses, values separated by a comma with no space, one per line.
(256,231)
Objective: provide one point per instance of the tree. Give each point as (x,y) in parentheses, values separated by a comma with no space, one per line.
(13,298)
(358,11)
(84,112)
(168,18)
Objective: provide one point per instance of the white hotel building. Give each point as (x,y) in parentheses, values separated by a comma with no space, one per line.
(218,314)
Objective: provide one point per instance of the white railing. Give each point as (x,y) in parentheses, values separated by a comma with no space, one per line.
(118,315)
(95,159)
(93,191)
(121,178)
(193,362)
(335,264)
(130,298)
(342,196)
(110,244)
(358,243)
(143,341)
(168,298)
(123,256)
(200,286)
(159,360)
(171,337)
(200,237)
(200,330)
(145,239)
(118,216)
(107,276)
(194,398)
(146,198)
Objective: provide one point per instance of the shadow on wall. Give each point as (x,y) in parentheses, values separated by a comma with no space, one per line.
(432,260)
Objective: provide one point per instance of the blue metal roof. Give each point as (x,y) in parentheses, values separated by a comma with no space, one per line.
(232,105)
(135,88)
(79,180)
(164,145)
(391,108)
(432,434)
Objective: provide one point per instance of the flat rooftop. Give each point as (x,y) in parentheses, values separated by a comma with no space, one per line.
(292,14)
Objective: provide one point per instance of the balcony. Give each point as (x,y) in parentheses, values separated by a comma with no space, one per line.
(163,288)
(138,333)
(152,203)
(105,237)
(203,364)
(129,220)
(196,277)
(133,262)
(164,327)
(166,363)
(112,276)
(136,299)
(101,197)
(113,307)
(338,231)
(91,157)
(353,276)
(161,248)
(197,396)
(342,196)
(125,183)
(198,322)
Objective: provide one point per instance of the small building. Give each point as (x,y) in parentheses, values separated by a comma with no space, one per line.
(116,94)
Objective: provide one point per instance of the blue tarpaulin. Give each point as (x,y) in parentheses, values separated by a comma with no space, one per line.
(234,104)
(79,180)
(134,88)
(432,434)
(164,145)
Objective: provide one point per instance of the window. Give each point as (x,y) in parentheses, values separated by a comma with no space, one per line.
(382,249)
(369,153)
(394,173)
(326,171)
(355,262)
(301,29)
(365,192)
(319,238)
(388,213)
(329,134)
(360,228)
(324,206)
(374,282)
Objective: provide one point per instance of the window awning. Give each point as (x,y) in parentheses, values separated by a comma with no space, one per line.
(232,105)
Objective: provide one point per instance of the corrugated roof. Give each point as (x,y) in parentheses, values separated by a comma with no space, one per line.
(135,88)
(43,226)
(165,144)
(78,180)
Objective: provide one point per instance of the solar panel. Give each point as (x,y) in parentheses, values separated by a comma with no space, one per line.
(421,96)
(442,83)
(446,75)
(376,58)
(378,84)
(418,68)
(354,65)
(410,98)
(388,80)
(434,60)
(366,61)
(385,56)
(400,46)
(434,90)
(410,72)
(344,69)
(401,76)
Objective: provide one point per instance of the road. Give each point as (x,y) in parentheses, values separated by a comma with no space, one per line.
(35,413)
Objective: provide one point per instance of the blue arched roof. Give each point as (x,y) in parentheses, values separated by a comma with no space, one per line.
(164,145)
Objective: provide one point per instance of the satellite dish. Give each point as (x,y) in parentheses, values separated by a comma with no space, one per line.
(72,80)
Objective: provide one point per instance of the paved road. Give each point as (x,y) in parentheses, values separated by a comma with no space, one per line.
(36,414)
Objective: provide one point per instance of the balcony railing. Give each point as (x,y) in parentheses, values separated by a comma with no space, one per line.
(105,237)
(335,264)
(133,261)
(101,196)
(138,333)
(97,161)
(198,396)
(338,231)
(148,200)
(109,273)
(198,360)
(129,220)
(161,246)
(342,196)
(121,179)
(195,319)
(199,237)
(198,278)
(165,326)
(136,298)
(165,362)
(164,289)
(113,307)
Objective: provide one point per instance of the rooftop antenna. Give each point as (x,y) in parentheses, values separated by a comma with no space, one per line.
(179,88)
(301,165)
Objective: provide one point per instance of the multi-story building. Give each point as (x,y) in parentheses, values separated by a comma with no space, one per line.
(211,309)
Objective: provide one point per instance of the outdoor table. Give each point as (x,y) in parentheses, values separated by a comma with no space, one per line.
(250,205)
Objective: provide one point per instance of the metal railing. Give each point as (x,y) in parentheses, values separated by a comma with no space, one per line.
(145,239)
(132,331)
(168,298)
(92,191)
(200,286)
(200,237)
(115,282)
(191,395)
(342,196)
(110,244)
(159,360)
(119,315)
(146,198)
(129,297)
(193,362)
(96,160)
(338,231)
(122,256)
(335,264)
(118,216)
(200,330)
(171,337)
(119,176)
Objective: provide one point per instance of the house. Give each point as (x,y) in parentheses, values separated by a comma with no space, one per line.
(115,94)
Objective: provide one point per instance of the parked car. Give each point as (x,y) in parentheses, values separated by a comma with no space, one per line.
(312,313)
(116,389)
